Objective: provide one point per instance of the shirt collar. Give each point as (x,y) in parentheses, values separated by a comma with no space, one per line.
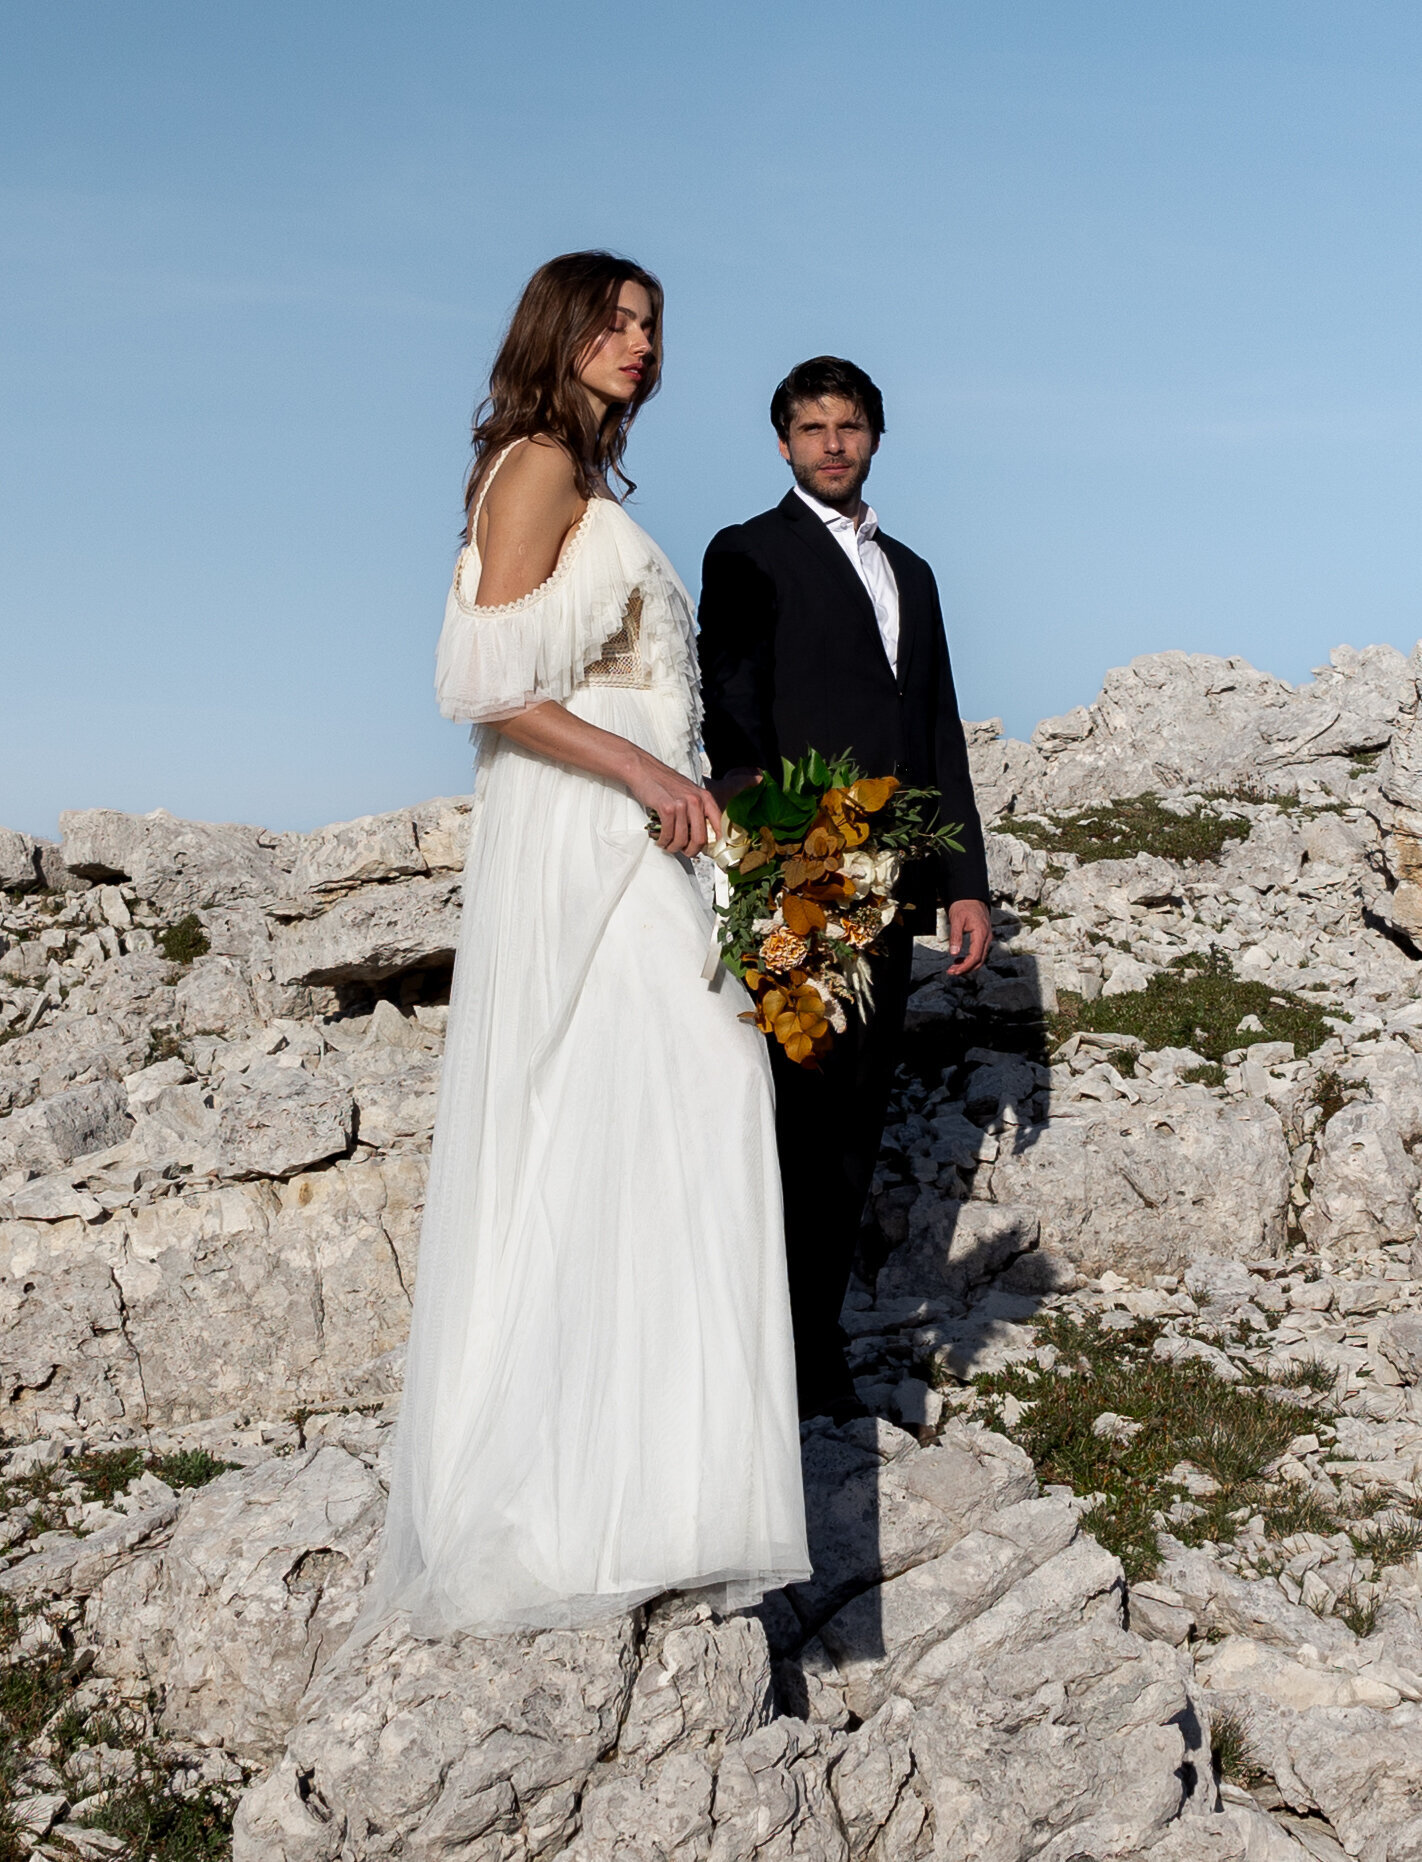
(868,523)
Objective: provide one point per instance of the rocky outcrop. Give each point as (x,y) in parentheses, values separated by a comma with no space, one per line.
(975,1638)
(212,1166)
(1194,720)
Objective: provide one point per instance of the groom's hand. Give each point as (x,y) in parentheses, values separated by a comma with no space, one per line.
(734,780)
(969,930)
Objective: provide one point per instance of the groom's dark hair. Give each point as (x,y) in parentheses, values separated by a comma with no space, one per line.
(821,376)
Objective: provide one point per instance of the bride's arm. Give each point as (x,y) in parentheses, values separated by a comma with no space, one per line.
(531,507)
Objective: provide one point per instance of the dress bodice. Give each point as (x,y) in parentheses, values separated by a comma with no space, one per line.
(613,612)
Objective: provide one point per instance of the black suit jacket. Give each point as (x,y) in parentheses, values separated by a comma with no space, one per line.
(792,660)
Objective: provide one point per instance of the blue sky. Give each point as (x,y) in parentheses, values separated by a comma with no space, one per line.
(1140,283)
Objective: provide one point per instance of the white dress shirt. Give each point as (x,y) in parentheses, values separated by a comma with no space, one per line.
(871,565)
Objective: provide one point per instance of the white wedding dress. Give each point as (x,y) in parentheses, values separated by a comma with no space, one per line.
(599,1390)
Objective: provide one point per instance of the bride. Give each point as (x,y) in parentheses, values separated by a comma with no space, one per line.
(599,1390)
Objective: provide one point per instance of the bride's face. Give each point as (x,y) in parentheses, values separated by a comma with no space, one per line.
(615,364)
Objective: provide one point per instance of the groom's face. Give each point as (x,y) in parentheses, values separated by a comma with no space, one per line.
(829,448)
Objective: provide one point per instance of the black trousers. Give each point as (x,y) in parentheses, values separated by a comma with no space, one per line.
(827,1127)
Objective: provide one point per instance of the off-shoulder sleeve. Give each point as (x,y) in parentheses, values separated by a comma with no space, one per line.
(495,662)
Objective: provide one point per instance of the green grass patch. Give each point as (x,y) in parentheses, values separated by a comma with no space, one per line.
(1358,1610)
(33,1689)
(155,1821)
(1136,824)
(1199,1002)
(1231,1432)
(185,940)
(1388,1541)
(1232,1747)
(102,1475)
(1307,1374)
(162,1826)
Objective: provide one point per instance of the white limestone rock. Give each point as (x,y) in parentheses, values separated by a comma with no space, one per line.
(1144,1189)
(56,1130)
(180,865)
(215,997)
(953,1246)
(442,831)
(1004,770)
(19,861)
(444,1744)
(256,1585)
(1364,1180)
(275,1121)
(409,924)
(1105,890)
(353,853)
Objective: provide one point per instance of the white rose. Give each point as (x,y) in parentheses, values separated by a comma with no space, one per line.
(886,871)
(860,867)
(871,872)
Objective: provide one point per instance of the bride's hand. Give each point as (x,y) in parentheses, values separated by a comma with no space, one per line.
(688,814)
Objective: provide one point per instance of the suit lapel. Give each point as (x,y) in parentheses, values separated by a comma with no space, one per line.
(814,534)
(911,616)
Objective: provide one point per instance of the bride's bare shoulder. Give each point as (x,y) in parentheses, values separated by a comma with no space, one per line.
(531,505)
(537,473)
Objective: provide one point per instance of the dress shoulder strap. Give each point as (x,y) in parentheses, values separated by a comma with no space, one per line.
(489,477)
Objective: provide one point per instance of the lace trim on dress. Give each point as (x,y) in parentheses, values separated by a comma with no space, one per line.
(562,569)
(621,660)
(493,662)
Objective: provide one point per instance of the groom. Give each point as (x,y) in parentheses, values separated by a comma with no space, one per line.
(820,632)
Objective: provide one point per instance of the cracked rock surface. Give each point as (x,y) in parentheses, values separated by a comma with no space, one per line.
(219,1060)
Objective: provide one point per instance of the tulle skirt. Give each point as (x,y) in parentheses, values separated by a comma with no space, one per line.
(599,1390)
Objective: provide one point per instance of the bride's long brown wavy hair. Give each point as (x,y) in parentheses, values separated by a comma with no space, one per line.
(533,385)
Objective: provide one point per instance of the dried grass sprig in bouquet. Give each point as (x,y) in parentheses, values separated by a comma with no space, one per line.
(810,865)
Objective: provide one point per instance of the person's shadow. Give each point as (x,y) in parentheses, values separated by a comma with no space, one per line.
(942,1276)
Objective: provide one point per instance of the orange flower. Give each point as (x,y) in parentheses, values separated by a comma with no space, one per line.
(784,949)
(862,927)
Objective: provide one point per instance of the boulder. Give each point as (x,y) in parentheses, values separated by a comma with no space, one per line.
(55,1131)
(953,1246)
(1399,1337)
(1194,720)
(257,1584)
(264,1293)
(274,1121)
(444,1744)
(1363,1179)
(181,865)
(442,831)
(354,853)
(409,924)
(1103,891)
(1144,1189)
(19,862)
(214,997)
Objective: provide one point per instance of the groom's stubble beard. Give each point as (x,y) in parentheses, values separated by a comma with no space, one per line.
(844,490)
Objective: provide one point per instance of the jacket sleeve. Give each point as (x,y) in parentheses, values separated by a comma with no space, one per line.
(736,647)
(960,875)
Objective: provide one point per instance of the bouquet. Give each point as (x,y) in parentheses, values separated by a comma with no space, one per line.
(806,872)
